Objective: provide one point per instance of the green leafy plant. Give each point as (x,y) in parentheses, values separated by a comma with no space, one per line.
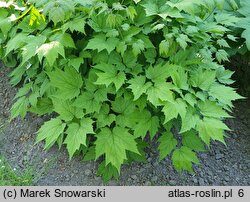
(112,72)
(236,11)
(9,176)
(240,47)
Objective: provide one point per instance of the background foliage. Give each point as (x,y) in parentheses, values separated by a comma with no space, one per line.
(112,72)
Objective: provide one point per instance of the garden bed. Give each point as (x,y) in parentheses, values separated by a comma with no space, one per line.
(220,166)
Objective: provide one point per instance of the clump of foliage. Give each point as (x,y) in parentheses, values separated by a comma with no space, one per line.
(237,12)
(239,48)
(110,72)
(9,176)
